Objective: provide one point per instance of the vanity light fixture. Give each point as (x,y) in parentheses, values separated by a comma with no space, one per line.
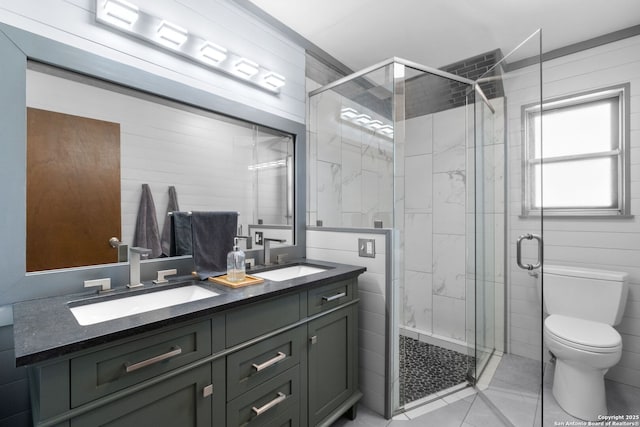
(171,34)
(213,53)
(121,12)
(348,113)
(274,80)
(246,68)
(351,115)
(363,119)
(375,124)
(386,130)
(126,17)
(268,165)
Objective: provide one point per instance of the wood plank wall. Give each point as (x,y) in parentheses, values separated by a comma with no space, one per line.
(612,244)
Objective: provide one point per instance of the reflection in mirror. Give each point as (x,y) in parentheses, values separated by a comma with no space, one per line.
(215,163)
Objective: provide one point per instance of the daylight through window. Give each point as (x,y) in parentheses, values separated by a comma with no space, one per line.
(574,159)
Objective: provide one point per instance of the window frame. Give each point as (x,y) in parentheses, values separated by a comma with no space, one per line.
(528,112)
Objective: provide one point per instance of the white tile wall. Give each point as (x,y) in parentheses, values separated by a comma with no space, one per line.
(433,294)
(342,247)
(418,183)
(350,168)
(601,243)
(417,300)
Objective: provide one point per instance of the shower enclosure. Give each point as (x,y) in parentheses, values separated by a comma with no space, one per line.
(420,152)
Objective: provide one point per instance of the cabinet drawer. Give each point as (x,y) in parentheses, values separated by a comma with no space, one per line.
(289,418)
(260,362)
(329,296)
(259,318)
(178,401)
(273,403)
(108,370)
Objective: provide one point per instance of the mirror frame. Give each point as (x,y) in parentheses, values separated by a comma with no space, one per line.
(17,47)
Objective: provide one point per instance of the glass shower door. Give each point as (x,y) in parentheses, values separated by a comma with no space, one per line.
(489,192)
(508,259)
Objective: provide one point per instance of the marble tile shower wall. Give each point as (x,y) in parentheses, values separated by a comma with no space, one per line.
(350,170)
(440,225)
(434,291)
(351,185)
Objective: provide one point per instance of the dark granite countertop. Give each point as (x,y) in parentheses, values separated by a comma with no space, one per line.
(46,328)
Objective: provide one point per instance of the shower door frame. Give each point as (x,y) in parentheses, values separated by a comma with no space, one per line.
(391,322)
(392,406)
(480,328)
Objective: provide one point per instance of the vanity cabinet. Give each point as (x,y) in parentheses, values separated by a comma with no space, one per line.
(178,401)
(286,360)
(333,365)
(332,350)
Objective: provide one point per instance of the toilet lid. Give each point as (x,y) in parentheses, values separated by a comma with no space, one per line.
(583,332)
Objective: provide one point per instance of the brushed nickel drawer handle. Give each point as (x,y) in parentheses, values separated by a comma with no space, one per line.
(270,362)
(261,410)
(334,297)
(156,359)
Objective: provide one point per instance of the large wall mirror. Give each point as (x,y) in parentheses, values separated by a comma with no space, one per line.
(92,145)
(218,153)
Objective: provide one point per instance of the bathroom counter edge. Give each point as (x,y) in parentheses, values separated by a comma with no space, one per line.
(45,328)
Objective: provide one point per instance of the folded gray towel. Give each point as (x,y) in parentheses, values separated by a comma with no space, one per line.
(212,234)
(146,234)
(181,234)
(172,206)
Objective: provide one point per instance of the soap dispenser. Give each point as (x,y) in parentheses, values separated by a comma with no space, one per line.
(235,263)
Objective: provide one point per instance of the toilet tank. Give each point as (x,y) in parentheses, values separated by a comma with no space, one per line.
(598,295)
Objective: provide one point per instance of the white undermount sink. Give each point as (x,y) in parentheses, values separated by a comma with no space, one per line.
(287,273)
(89,314)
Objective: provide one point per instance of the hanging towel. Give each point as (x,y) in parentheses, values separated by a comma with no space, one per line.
(180,234)
(146,234)
(172,206)
(212,234)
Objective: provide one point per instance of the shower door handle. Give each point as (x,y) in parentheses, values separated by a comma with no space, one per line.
(538,263)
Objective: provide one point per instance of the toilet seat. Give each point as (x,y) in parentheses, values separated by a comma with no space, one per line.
(583,334)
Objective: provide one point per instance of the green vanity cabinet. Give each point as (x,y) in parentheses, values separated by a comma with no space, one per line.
(287,360)
(100,373)
(168,375)
(182,400)
(333,365)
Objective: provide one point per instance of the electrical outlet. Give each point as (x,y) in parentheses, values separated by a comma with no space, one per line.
(258,238)
(367,248)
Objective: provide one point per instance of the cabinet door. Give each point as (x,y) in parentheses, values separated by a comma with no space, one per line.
(177,401)
(332,362)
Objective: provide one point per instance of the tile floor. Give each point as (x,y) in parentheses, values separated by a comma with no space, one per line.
(512,399)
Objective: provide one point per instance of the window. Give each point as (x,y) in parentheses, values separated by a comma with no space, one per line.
(575,160)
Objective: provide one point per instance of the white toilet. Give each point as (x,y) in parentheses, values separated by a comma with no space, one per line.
(583,305)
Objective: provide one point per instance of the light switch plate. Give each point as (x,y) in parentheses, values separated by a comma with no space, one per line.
(367,248)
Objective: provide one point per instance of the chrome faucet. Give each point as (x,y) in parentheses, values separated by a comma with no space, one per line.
(134,265)
(267,248)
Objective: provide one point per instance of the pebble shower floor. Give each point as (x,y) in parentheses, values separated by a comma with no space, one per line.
(426,369)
